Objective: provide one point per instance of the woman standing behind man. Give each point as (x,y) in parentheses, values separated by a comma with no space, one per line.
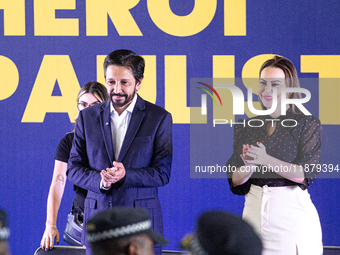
(277,203)
(91,94)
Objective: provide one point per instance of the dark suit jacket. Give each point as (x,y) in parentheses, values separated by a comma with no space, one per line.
(146,154)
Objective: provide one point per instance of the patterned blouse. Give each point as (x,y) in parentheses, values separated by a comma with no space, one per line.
(296,139)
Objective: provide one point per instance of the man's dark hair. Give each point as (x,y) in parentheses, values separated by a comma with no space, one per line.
(128,59)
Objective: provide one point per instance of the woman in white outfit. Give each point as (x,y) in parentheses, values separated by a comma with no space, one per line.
(271,166)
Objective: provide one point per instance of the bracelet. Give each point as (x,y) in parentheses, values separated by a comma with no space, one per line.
(51,226)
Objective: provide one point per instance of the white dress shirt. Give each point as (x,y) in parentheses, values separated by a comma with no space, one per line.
(119,125)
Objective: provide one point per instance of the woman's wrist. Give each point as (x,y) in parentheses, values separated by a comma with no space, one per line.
(51,226)
(251,166)
(269,161)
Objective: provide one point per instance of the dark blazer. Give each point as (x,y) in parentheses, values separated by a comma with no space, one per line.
(146,154)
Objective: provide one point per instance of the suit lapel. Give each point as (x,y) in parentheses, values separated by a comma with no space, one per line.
(105,123)
(135,121)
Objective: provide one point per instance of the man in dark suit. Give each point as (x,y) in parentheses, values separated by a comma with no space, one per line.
(122,148)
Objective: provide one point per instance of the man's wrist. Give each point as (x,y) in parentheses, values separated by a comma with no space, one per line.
(102,185)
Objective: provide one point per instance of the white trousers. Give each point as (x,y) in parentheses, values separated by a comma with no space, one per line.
(285,219)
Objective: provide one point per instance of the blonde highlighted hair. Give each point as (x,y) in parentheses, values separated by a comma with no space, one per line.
(95,88)
(291,76)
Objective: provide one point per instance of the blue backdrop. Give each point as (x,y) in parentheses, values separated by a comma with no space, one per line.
(49,49)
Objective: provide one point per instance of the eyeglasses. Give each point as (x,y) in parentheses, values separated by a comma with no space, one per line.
(83,105)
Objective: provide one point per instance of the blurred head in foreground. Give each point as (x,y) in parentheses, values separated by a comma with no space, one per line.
(122,230)
(4,234)
(221,233)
